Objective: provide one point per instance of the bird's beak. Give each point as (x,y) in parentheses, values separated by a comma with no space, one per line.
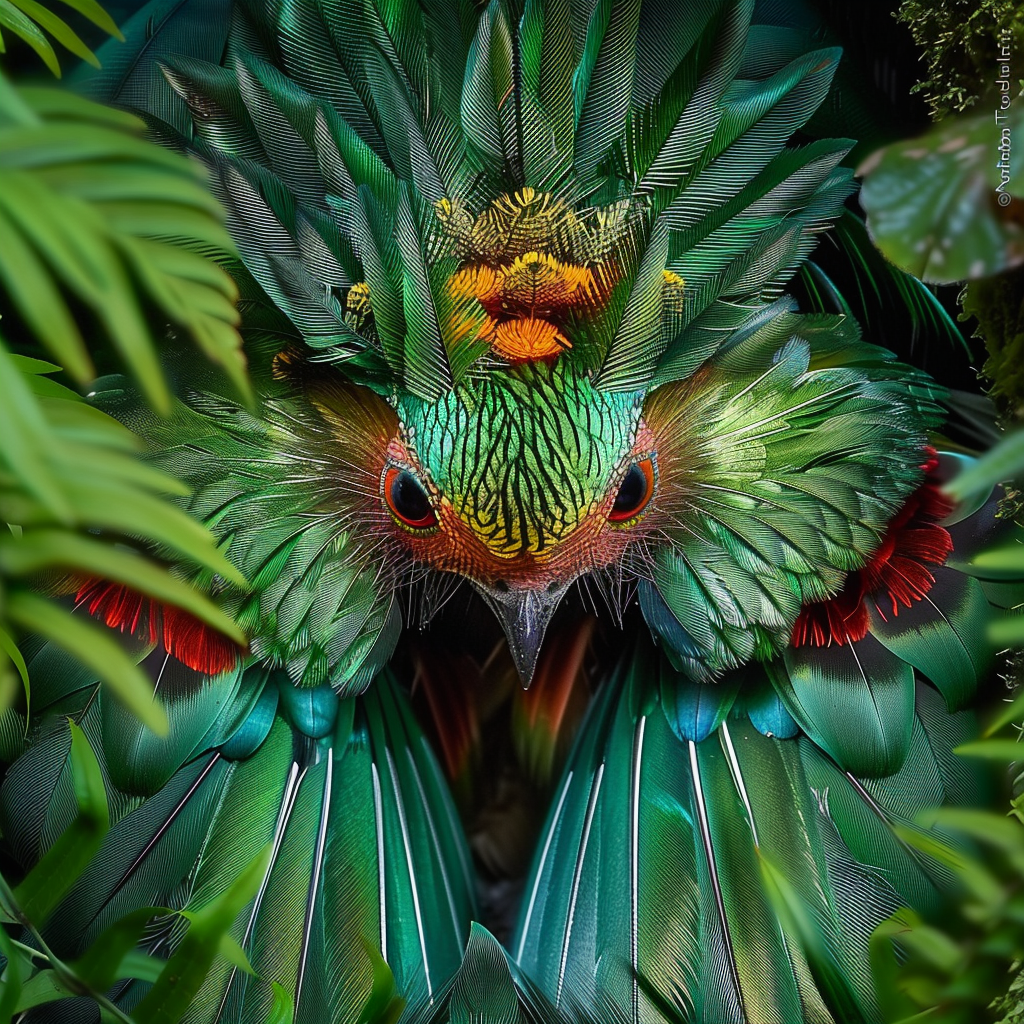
(524,615)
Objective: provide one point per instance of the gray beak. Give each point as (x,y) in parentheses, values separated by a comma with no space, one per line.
(524,615)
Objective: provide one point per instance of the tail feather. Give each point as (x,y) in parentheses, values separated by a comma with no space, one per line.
(738,877)
(367,859)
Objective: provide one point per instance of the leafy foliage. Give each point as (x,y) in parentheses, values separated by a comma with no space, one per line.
(91,211)
(958,967)
(997,304)
(27,19)
(67,469)
(93,215)
(95,218)
(958,38)
(945,206)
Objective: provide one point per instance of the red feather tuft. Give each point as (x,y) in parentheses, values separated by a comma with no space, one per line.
(182,635)
(898,573)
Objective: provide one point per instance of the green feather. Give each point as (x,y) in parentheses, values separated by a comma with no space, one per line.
(739,877)
(547,120)
(856,701)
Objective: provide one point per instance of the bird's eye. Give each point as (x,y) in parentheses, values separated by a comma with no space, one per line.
(635,492)
(408,500)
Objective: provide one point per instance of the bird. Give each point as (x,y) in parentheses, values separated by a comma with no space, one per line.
(516,283)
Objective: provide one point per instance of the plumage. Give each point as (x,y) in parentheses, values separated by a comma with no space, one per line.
(513,281)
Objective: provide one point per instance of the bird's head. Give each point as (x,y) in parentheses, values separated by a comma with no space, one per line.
(536,395)
(520,483)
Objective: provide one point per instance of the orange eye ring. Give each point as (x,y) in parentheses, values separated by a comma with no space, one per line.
(407,500)
(635,491)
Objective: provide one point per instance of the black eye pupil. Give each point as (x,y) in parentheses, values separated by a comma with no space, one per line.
(408,498)
(632,490)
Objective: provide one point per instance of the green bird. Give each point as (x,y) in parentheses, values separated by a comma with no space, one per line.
(513,279)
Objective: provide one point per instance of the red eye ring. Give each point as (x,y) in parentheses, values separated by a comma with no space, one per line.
(635,491)
(407,499)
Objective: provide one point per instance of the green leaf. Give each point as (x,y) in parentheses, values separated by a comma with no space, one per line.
(21,26)
(142,966)
(10,648)
(95,647)
(1004,462)
(44,987)
(1007,631)
(885,968)
(18,967)
(39,549)
(1011,711)
(104,961)
(945,206)
(60,30)
(61,866)
(282,1010)
(382,1006)
(38,299)
(97,15)
(24,437)
(1002,751)
(186,970)
(116,247)
(1009,559)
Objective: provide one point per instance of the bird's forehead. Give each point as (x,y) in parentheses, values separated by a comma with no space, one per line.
(523,457)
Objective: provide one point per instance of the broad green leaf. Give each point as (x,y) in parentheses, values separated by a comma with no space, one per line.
(282,1010)
(186,970)
(95,647)
(39,549)
(1008,559)
(61,866)
(43,987)
(946,206)
(1004,751)
(50,102)
(142,966)
(103,962)
(885,968)
(1004,462)
(17,968)
(1008,631)
(60,30)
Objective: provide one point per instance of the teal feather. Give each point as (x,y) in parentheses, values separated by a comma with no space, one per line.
(255,728)
(202,711)
(311,710)
(943,636)
(378,252)
(130,75)
(684,843)
(488,104)
(428,374)
(766,710)
(695,710)
(856,701)
(331,809)
(636,346)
